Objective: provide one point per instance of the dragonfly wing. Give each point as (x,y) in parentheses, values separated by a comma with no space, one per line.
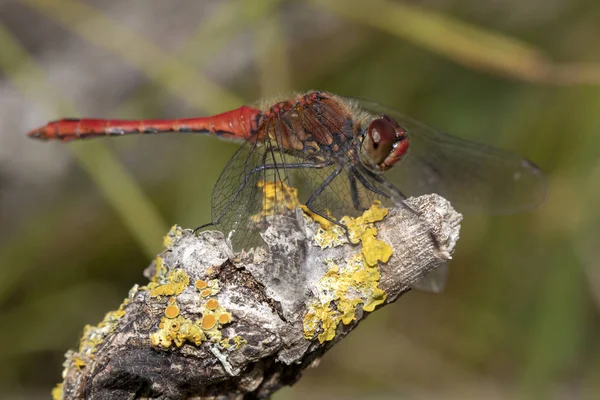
(249,191)
(434,281)
(474,177)
(236,197)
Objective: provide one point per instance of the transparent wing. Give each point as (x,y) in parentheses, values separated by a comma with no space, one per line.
(237,196)
(434,281)
(474,177)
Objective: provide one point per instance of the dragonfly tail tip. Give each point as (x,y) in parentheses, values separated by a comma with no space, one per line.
(39,133)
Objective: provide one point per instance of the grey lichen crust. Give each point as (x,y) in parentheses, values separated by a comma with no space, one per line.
(214,325)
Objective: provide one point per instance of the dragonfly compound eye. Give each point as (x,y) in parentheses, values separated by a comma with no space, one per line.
(379,141)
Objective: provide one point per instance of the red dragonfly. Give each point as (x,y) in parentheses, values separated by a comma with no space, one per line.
(342,154)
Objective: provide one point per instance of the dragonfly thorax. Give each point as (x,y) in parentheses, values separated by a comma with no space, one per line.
(384,143)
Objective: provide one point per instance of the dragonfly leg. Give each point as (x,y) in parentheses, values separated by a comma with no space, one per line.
(196,229)
(367,185)
(318,191)
(388,185)
(354,193)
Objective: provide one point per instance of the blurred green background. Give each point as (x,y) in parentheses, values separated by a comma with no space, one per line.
(79,222)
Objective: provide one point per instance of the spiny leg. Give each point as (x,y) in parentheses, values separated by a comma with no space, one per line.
(318,191)
(367,185)
(380,179)
(354,192)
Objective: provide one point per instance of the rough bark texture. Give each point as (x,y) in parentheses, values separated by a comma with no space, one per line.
(214,325)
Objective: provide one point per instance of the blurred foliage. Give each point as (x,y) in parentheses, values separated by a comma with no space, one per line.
(519,318)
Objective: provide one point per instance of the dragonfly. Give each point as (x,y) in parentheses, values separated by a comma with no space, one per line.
(341,154)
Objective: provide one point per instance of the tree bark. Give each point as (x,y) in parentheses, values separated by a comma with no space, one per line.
(214,325)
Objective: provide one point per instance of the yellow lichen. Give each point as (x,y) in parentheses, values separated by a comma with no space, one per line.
(326,224)
(178,280)
(233,343)
(57,392)
(341,290)
(79,363)
(174,325)
(176,331)
(94,335)
(160,274)
(209,288)
(160,268)
(346,286)
(172,236)
(214,316)
(331,237)
(239,341)
(278,199)
(362,229)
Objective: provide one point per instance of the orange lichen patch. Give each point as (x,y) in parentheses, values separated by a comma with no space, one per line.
(208,322)
(171,311)
(212,304)
(200,284)
(172,236)
(214,316)
(177,330)
(209,288)
(224,318)
(177,282)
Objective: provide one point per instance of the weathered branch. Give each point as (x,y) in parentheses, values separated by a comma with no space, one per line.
(209,325)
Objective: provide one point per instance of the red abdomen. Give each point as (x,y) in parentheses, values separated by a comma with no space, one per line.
(240,123)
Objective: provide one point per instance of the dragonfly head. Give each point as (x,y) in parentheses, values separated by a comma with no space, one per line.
(384,144)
